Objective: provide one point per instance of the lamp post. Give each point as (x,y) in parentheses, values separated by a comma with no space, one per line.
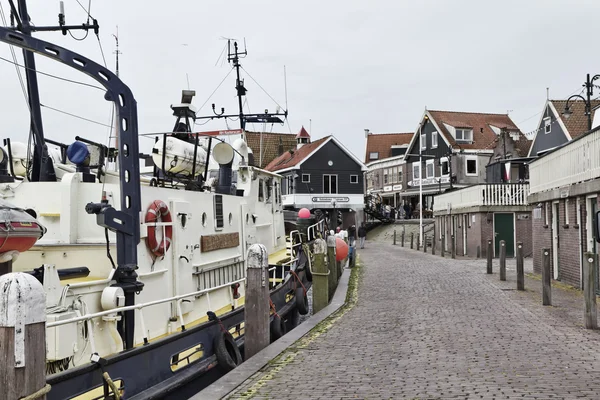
(589,86)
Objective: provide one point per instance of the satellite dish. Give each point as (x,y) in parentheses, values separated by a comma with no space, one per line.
(223,153)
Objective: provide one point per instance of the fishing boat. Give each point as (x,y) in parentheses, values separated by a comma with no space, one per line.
(144,266)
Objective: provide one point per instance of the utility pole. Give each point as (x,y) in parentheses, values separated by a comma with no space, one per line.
(42,168)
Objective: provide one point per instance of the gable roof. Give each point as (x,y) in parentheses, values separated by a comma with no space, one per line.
(382,143)
(270,145)
(577,123)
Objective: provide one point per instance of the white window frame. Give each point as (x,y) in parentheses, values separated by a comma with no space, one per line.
(467,173)
(423,141)
(434,140)
(547,125)
(567,211)
(336,183)
(427,164)
(463,131)
(356,178)
(442,161)
(416,166)
(374,155)
(307,180)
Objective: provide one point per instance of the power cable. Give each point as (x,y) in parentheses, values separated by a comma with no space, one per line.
(267,93)
(75,115)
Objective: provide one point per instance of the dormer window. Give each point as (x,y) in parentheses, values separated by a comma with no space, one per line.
(464,135)
(374,155)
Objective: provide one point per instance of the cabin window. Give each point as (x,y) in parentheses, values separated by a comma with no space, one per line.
(416,170)
(305,178)
(276,190)
(434,140)
(423,141)
(218,211)
(269,189)
(430,169)
(374,155)
(290,184)
(330,184)
(444,166)
(261,190)
(464,135)
(353,178)
(471,166)
(547,125)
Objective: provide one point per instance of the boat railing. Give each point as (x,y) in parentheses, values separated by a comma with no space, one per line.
(315,229)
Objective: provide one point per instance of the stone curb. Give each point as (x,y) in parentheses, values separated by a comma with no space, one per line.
(228,383)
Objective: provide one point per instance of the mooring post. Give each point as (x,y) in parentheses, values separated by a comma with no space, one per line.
(257,308)
(478,254)
(402,238)
(412,239)
(546,278)
(332,265)
(425,244)
(589,287)
(22,337)
(443,246)
(502,260)
(418,242)
(489,255)
(320,272)
(433,243)
(394,237)
(453,244)
(520,269)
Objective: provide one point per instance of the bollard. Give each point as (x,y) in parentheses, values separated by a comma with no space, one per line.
(332,265)
(546,278)
(453,246)
(502,260)
(520,269)
(443,246)
(433,245)
(478,251)
(418,242)
(412,239)
(402,239)
(489,255)
(425,244)
(589,287)
(257,309)
(320,273)
(394,237)
(22,337)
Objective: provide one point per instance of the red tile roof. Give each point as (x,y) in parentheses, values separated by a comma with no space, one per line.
(270,145)
(577,123)
(483,136)
(382,143)
(293,157)
(302,133)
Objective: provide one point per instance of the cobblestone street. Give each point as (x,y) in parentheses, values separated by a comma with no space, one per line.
(426,327)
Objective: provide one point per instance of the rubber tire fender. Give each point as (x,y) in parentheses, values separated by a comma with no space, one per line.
(277,328)
(301,301)
(227,352)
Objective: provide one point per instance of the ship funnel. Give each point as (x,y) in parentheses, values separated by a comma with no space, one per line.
(223,154)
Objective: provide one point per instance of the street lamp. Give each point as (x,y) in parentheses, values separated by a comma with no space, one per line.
(589,86)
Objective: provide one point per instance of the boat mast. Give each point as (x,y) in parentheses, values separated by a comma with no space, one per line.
(239,84)
(114,130)
(42,168)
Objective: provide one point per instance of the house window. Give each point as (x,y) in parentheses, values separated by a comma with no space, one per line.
(416,170)
(444,167)
(305,178)
(330,184)
(423,141)
(385,176)
(353,178)
(566,211)
(374,155)
(399,175)
(464,135)
(394,174)
(547,125)
(434,139)
(261,190)
(429,168)
(471,166)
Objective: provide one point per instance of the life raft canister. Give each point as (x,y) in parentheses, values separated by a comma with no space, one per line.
(158,212)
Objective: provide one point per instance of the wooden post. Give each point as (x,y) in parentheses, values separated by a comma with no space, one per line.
(22,337)
(489,255)
(443,246)
(425,244)
(589,287)
(453,248)
(402,239)
(433,244)
(520,269)
(256,308)
(546,278)
(320,282)
(478,254)
(412,240)
(502,260)
(394,237)
(418,242)
(332,265)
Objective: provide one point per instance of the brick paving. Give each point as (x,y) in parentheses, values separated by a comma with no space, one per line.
(426,327)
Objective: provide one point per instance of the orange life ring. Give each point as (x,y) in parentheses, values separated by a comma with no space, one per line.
(158,212)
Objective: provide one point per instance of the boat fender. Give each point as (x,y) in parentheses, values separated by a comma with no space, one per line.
(227,352)
(158,212)
(277,327)
(301,300)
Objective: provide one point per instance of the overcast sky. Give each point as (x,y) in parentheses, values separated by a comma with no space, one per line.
(350,64)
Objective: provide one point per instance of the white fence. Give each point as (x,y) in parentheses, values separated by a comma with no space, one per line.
(576,162)
(497,194)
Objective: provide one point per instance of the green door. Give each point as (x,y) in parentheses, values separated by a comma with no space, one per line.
(504,229)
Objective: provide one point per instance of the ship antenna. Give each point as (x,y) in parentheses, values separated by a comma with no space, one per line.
(117,51)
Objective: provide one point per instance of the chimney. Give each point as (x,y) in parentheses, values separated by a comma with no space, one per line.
(280,147)
(367,133)
(302,138)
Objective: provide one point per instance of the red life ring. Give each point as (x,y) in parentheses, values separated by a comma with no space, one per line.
(158,212)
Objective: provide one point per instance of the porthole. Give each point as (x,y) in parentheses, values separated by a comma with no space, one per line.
(230,219)
(203,219)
